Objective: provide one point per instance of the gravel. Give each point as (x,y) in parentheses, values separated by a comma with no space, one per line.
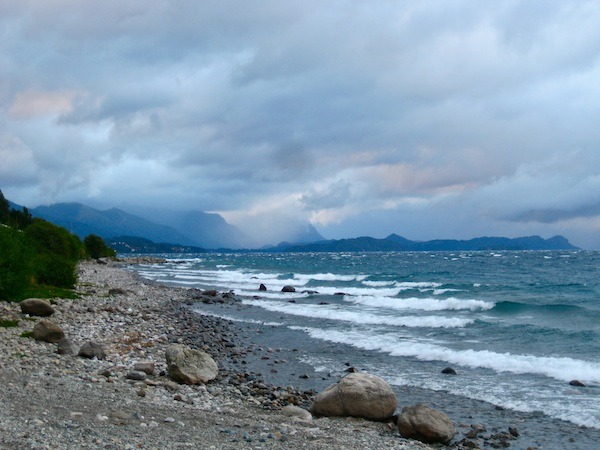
(126,401)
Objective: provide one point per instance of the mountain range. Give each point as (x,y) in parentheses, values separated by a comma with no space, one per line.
(188,228)
(397,243)
(193,231)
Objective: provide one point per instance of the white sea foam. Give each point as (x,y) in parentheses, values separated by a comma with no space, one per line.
(423,304)
(444,291)
(237,319)
(329,312)
(421,285)
(379,283)
(559,368)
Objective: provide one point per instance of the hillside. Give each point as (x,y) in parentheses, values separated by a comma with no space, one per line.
(83,220)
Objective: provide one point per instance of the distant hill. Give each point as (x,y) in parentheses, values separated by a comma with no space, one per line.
(133,244)
(397,243)
(208,230)
(83,220)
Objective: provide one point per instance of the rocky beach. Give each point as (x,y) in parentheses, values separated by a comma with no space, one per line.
(123,398)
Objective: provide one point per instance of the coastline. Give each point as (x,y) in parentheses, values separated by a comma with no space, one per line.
(63,401)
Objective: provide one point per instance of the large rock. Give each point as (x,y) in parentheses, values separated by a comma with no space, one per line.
(190,366)
(36,307)
(48,331)
(358,395)
(425,424)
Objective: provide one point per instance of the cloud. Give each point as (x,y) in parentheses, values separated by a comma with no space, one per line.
(475,115)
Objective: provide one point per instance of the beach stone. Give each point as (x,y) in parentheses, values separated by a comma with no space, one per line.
(48,331)
(36,307)
(117,291)
(91,349)
(136,375)
(425,424)
(189,366)
(65,347)
(358,395)
(297,412)
(288,289)
(144,366)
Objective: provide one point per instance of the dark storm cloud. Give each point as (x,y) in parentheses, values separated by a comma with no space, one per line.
(441,117)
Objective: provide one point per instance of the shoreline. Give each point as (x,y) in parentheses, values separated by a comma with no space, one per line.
(54,401)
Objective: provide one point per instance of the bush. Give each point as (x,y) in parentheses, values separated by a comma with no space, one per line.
(54,270)
(15,257)
(95,247)
(48,238)
(56,254)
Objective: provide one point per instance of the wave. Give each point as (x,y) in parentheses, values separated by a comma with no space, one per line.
(423,304)
(337,314)
(559,368)
(557,308)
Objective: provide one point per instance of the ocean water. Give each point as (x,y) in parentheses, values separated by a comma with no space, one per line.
(516,326)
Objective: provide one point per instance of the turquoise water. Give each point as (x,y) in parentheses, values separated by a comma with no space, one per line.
(516,326)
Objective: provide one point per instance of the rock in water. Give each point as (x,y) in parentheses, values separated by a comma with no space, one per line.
(48,331)
(91,350)
(288,289)
(425,424)
(189,366)
(262,287)
(358,395)
(449,371)
(36,307)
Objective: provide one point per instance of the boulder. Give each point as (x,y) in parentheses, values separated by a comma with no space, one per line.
(36,307)
(48,331)
(425,424)
(288,289)
(91,350)
(358,395)
(449,371)
(577,383)
(262,287)
(189,366)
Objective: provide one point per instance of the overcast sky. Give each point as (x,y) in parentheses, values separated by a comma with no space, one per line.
(429,119)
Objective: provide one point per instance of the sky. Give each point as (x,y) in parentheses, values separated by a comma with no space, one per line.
(424,118)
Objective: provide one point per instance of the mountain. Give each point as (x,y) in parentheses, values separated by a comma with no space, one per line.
(208,230)
(397,243)
(304,233)
(83,220)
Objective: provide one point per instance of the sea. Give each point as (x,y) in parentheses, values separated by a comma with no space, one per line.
(516,326)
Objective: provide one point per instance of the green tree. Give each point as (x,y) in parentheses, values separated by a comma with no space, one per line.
(4,209)
(96,247)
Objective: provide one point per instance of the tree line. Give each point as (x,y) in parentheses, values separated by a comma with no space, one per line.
(38,258)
